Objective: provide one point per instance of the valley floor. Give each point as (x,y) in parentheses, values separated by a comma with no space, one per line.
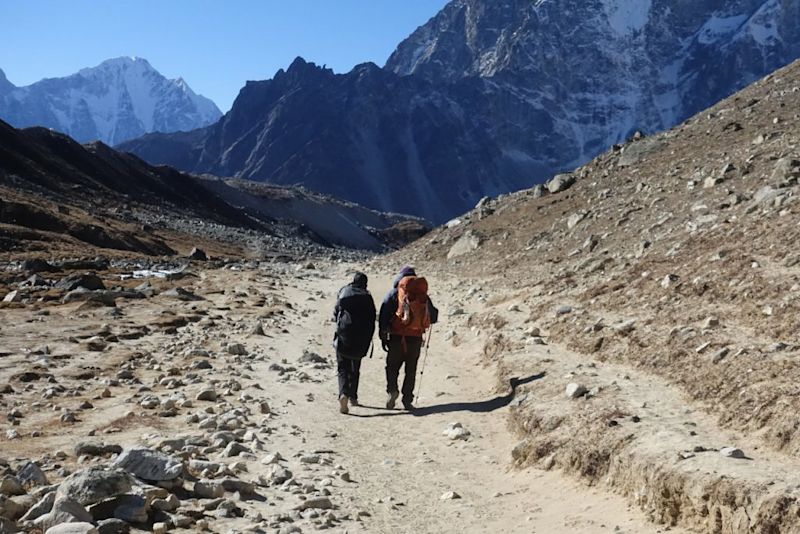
(385,471)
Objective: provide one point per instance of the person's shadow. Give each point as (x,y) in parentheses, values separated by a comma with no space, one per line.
(485,406)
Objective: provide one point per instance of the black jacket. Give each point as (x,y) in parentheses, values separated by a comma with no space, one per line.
(355,321)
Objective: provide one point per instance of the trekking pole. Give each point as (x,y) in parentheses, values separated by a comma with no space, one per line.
(424,361)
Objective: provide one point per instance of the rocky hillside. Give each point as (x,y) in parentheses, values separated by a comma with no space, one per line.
(58,192)
(119,99)
(489,97)
(665,269)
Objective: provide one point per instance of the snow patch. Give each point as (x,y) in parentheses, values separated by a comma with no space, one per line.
(762,28)
(717,28)
(627,17)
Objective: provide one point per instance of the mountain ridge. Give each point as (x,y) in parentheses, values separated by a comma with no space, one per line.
(119,99)
(487,98)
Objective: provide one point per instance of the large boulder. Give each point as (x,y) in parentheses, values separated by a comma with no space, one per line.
(95,484)
(65,510)
(469,242)
(560,182)
(149,465)
(74,281)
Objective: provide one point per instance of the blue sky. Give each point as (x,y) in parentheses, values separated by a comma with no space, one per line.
(215,45)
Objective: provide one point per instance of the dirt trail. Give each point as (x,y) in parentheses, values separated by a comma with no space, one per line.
(404,464)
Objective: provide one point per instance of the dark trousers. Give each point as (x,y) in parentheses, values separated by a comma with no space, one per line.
(403,351)
(349,372)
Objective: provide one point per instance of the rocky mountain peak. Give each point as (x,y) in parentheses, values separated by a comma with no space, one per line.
(490,97)
(119,99)
(5,85)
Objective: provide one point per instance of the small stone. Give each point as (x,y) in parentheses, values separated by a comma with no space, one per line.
(316,503)
(575,391)
(449,496)
(159,528)
(207,395)
(732,452)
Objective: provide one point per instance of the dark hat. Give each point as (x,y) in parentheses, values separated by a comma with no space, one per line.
(360,280)
(408,270)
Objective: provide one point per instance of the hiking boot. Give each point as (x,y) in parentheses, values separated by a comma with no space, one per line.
(408,406)
(343,405)
(392,399)
(354,402)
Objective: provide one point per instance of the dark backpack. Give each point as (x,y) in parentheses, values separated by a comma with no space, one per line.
(355,322)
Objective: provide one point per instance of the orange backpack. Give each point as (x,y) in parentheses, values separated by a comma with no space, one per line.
(412,317)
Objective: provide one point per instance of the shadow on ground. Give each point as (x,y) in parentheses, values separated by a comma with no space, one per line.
(485,406)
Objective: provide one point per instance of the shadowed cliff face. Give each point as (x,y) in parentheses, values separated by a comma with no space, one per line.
(489,97)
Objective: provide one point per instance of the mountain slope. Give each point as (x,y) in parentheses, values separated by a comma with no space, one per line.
(90,193)
(489,97)
(120,99)
(673,256)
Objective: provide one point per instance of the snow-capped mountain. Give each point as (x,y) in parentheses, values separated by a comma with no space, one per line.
(490,96)
(119,99)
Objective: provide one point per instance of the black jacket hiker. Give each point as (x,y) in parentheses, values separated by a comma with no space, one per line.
(355,326)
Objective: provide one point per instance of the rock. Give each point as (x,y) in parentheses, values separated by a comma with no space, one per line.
(258,330)
(169,504)
(14,296)
(311,357)
(95,484)
(449,496)
(149,465)
(73,528)
(87,281)
(234,448)
(131,509)
(263,407)
(720,355)
(575,391)
(38,266)
(35,281)
(710,322)
(65,510)
(207,395)
(159,528)
(563,310)
(669,280)
(208,489)
(785,172)
(467,243)
(198,254)
(575,219)
(538,191)
(181,294)
(732,452)
(236,349)
(315,503)
(113,526)
(234,485)
(455,431)
(106,298)
(10,509)
(43,506)
(11,486)
(560,182)
(95,448)
(32,475)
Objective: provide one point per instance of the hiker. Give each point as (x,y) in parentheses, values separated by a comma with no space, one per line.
(355,325)
(406,313)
